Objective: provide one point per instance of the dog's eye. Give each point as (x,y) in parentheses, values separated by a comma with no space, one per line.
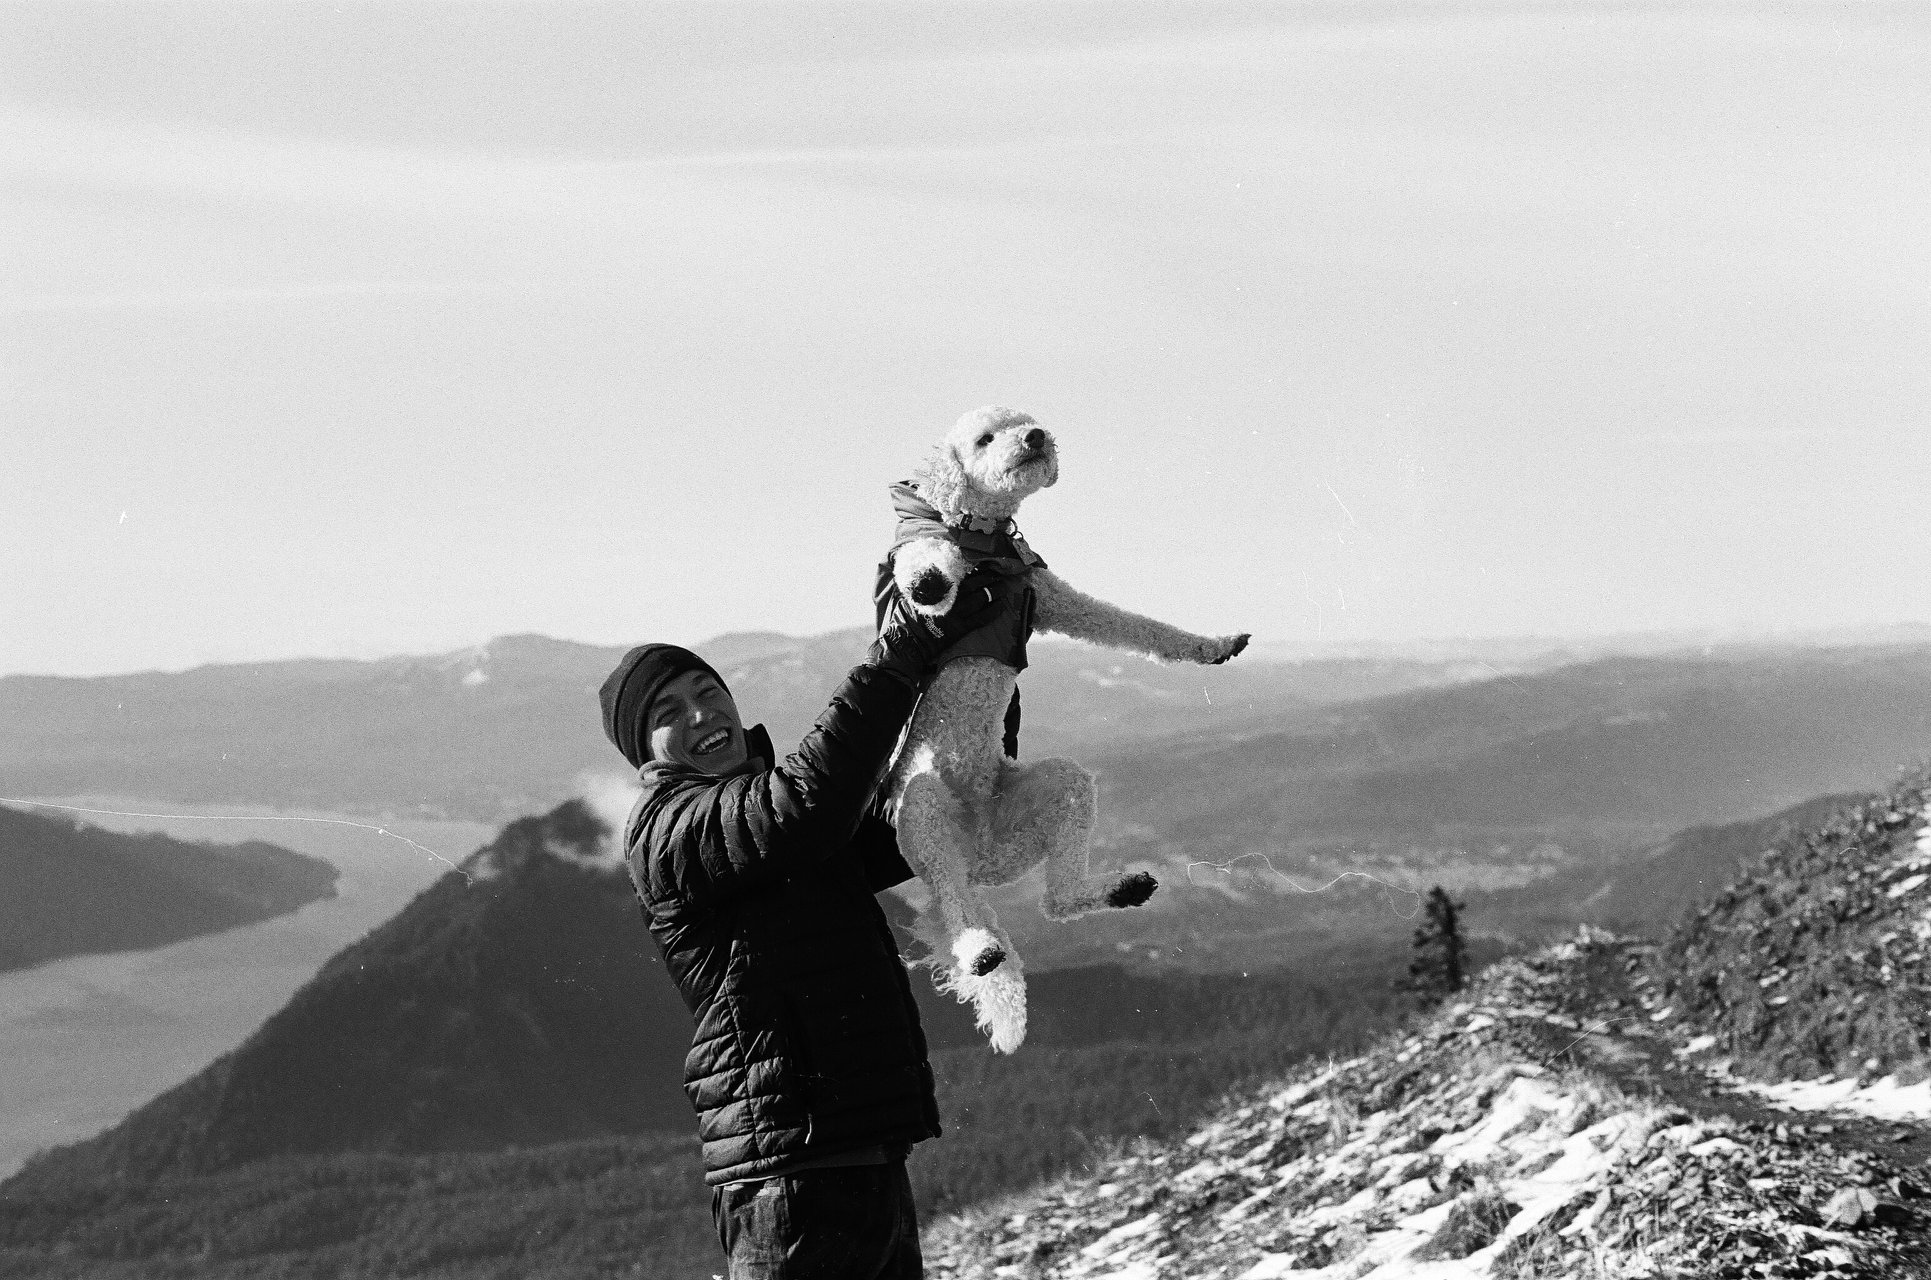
(985,440)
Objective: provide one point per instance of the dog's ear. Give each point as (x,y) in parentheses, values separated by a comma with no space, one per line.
(942,480)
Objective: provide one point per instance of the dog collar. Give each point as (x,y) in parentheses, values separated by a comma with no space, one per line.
(980,524)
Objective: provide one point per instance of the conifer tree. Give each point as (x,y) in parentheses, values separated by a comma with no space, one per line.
(1436,969)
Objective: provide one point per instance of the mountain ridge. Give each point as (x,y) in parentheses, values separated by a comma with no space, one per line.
(512,726)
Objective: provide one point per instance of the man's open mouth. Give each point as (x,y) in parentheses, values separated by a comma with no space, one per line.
(710,742)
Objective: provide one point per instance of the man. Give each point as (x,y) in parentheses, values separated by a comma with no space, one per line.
(808,1067)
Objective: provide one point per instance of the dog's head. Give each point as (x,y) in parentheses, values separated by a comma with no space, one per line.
(990,460)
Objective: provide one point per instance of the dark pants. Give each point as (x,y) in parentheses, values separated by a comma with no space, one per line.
(821,1224)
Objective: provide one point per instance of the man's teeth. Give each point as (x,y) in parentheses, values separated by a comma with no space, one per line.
(711,742)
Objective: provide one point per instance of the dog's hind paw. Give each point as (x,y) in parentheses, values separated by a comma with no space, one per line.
(1230,647)
(1132,890)
(977,952)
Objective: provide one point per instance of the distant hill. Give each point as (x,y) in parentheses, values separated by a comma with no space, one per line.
(67,888)
(1652,891)
(1536,797)
(1526,794)
(1642,746)
(509,727)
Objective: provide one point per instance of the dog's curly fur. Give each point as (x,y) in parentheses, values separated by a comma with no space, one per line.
(967,815)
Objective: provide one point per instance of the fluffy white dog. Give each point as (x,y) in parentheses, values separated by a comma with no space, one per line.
(967,815)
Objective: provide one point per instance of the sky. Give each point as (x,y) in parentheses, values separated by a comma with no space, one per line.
(361,329)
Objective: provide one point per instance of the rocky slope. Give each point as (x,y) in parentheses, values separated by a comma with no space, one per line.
(1820,961)
(1606,1108)
(1542,1127)
(67,888)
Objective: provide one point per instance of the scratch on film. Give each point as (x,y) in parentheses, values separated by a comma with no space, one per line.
(1228,867)
(249,817)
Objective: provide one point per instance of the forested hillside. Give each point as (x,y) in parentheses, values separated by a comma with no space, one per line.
(67,888)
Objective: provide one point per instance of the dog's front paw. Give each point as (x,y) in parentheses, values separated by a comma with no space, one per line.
(1225,647)
(930,588)
(928,572)
(1132,890)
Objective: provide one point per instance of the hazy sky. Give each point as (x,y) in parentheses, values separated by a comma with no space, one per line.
(370,328)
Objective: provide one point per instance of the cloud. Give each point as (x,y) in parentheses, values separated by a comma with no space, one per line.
(610,796)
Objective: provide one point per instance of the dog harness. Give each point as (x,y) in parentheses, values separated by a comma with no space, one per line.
(989,546)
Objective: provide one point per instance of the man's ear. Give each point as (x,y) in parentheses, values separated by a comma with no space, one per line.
(757,742)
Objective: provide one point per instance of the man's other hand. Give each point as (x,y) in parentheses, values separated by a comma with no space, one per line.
(910,641)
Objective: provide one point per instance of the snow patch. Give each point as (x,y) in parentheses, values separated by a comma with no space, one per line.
(1118,1236)
(1884,1099)
(482,866)
(1144,1270)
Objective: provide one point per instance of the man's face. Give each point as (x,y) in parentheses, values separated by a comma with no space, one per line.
(693,721)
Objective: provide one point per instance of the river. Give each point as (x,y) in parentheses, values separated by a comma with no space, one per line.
(86,1039)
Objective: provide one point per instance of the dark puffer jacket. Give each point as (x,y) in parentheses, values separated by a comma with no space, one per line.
(758,890)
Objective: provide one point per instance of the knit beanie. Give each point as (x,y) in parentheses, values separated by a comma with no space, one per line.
(627,694)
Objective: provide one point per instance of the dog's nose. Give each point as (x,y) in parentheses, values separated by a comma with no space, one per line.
(1035,438)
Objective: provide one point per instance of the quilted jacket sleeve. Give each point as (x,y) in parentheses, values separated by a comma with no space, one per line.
(876,845)
(696,841)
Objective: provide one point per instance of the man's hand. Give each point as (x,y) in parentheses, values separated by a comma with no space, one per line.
(911,641)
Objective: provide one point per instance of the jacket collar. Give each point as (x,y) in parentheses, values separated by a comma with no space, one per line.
(917,516)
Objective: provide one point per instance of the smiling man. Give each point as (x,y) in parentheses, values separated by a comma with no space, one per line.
(693,721)
(808,1066)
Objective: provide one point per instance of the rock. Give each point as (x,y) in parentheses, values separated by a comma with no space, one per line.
(1850,1207)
